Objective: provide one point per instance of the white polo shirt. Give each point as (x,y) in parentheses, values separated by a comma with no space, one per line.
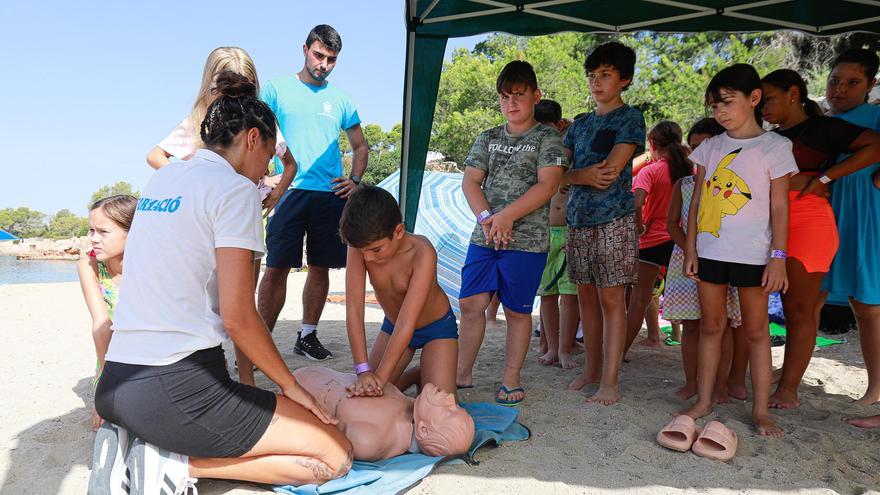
(169,304)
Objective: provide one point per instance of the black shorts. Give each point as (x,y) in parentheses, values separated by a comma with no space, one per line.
(313,214)
(657,255)
(733,274)
(191,407)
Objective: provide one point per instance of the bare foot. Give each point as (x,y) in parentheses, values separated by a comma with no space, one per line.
(686,392)
(767,427)
(868,399)
(606,395)
(722,396)
(578,348)
(649,342)
(784,399)
(464,380)
(567,361)
(543,349)
(738,391)
(696,411)
(777,375)
(583,380)
(866,422)
(549,359)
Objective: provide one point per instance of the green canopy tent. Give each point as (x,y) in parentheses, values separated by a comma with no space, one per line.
(430,23)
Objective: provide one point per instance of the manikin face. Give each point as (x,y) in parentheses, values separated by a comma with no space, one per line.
(106,236)
(847,87)
(320,60)
(441,427)
(384,249)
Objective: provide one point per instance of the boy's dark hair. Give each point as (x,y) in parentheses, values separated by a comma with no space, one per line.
(784,79)
(237,109)
(615,54)
(370,214)
(516,73)
(328,37)
(706,125)
(738,77)
(866,58)
(548,112)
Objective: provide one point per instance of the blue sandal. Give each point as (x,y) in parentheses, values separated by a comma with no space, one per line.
(507,392)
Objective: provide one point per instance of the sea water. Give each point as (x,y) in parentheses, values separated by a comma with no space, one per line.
(13,271)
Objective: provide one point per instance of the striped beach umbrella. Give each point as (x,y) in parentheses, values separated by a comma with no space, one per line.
(446,220)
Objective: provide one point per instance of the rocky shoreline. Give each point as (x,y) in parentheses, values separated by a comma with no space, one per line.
(45,249)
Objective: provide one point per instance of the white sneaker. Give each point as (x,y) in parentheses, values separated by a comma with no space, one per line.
(156,471)
(109,474)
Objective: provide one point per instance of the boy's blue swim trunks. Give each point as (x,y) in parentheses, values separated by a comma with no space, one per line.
(444,328)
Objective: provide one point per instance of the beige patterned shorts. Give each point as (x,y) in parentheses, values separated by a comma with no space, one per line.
(606,255)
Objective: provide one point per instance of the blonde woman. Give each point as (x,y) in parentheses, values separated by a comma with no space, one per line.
(184,139)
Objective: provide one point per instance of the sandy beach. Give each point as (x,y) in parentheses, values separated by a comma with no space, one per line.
(46,439)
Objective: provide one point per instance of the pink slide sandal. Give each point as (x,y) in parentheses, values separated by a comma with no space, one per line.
(717,442)
(679,434)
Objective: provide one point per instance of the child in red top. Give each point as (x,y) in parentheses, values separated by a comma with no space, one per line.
(652,189)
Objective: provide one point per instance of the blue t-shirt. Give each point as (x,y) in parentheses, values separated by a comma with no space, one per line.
(310,118)
(591,138)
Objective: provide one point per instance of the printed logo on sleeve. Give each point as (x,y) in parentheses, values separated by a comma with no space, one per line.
(167,205)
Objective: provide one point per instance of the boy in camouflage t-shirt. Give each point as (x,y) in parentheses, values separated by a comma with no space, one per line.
(510,175)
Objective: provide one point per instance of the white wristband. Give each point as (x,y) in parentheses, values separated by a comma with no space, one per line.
(825,179)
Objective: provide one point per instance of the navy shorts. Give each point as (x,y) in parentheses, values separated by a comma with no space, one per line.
(444,328)
(726,272)
(313,214)
(514,275)
(191,407)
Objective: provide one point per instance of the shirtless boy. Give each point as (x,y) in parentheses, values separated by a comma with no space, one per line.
(403,272)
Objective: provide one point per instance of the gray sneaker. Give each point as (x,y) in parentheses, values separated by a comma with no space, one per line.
(156,471)
(109,474)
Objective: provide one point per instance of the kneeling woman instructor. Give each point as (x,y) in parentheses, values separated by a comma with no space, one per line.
(189,286)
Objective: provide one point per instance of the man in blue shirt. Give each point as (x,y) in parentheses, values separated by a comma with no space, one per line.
(310,113)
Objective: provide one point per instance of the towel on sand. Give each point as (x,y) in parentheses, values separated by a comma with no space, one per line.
(495,424)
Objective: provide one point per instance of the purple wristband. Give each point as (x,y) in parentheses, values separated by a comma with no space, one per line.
(778,254)
(361,368)
(483,216)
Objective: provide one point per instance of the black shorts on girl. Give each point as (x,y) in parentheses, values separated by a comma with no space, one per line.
(733,274)
(657,255)
(191,407)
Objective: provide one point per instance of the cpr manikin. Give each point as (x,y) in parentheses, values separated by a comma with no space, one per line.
(391,424)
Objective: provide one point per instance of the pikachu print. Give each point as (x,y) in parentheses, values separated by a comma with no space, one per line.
(724,193)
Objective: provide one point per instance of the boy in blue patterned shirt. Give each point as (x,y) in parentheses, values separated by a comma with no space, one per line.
(602,237)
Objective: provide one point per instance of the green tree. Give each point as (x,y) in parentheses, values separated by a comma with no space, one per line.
(66,224)
(23,222)
(120,187)
(671,74)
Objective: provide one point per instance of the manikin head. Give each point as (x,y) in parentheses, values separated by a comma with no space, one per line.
(442,428)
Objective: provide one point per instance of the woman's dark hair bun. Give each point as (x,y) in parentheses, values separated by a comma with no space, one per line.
(234,85)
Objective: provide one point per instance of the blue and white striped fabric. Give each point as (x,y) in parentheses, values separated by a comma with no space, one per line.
(445,219)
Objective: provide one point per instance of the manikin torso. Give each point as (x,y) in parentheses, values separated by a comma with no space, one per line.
(378,427)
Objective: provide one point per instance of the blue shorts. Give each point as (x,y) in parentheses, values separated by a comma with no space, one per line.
(311,214)
(514,275)
(444,328)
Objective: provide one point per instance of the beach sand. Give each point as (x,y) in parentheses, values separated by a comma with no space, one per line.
(46,439)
